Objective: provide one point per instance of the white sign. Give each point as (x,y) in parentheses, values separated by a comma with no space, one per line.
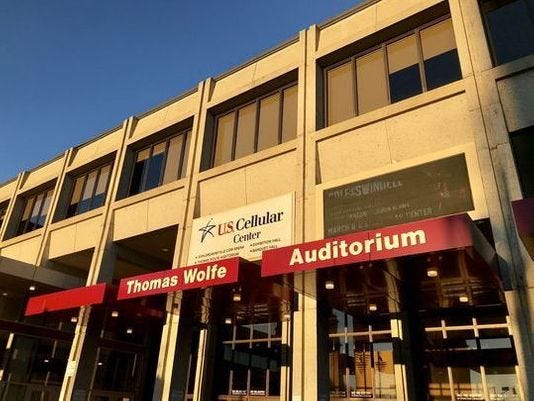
(244,232)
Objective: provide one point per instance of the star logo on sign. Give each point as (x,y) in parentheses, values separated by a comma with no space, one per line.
(207,229)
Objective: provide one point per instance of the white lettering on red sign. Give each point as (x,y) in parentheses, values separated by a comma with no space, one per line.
(336,249)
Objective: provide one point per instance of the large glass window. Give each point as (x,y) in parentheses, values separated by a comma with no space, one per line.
(89,191)
(523,147)
(510,28)
(35,211)
(159,163)
(255,126)
(251,360)
(421,60)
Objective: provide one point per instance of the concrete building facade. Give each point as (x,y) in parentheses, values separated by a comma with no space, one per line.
(394,114)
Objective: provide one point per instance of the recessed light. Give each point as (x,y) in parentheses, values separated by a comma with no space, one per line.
(236,296)
(228,320)
(329,285)
(32,288)
(46,361)
(463,299)
(115,313)
(129,330)
(99,363)
(74,319)
(164,249)
(5,294)
(432,272)
(373,307)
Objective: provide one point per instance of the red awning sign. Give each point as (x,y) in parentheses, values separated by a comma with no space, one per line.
(67,299)
(451,232)
(197,276)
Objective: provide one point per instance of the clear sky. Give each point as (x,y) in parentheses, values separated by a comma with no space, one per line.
(71,69)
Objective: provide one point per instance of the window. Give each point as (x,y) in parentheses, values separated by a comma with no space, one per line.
(160,163)
(89,191)
(509,27)
(523,147)
(263,123)
(419,61)
(251,360)
(35,211)
(3,211)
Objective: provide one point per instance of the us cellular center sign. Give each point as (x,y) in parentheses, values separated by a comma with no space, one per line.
(243,232)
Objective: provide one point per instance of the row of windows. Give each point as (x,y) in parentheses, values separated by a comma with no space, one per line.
(421,61)
(261,124)
(418,61)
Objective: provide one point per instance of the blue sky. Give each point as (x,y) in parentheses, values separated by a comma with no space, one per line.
(71,69)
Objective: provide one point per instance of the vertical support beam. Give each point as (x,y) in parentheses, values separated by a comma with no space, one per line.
(82,356)
(165,388)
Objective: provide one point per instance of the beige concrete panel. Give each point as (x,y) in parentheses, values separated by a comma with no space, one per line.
(95,149)
(517,96)
(271,177)
(223,192)
(7,190)
(24,251)
(355,151)
(43,174)
(166,116)
(75,237)
(430,128)
(389,12)
(87,233)
(347,30)
(130,220)
(165,210)
(288,56)
(267,68)
(62,241)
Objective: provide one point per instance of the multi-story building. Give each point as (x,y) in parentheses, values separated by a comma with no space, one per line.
(383,163)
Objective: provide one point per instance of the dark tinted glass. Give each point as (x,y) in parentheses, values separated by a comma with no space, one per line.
(404,76)
(442,69)
(155,167)
(139,168)
(510,27)
(523,146)
(405,83)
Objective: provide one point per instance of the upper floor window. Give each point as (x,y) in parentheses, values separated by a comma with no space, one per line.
(89,190)
(3,212)
(422,60)
(159,163)
(260,124)
(35,210)
(510,28)
(523,146)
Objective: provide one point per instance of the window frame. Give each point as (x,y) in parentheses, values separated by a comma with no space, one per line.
(86,175)
(235,111)
(383,48)
(33,198)
(167,140)
(3,214)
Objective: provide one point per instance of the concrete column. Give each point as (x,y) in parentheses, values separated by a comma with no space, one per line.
(170,350)
(82,357)
(501,184)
